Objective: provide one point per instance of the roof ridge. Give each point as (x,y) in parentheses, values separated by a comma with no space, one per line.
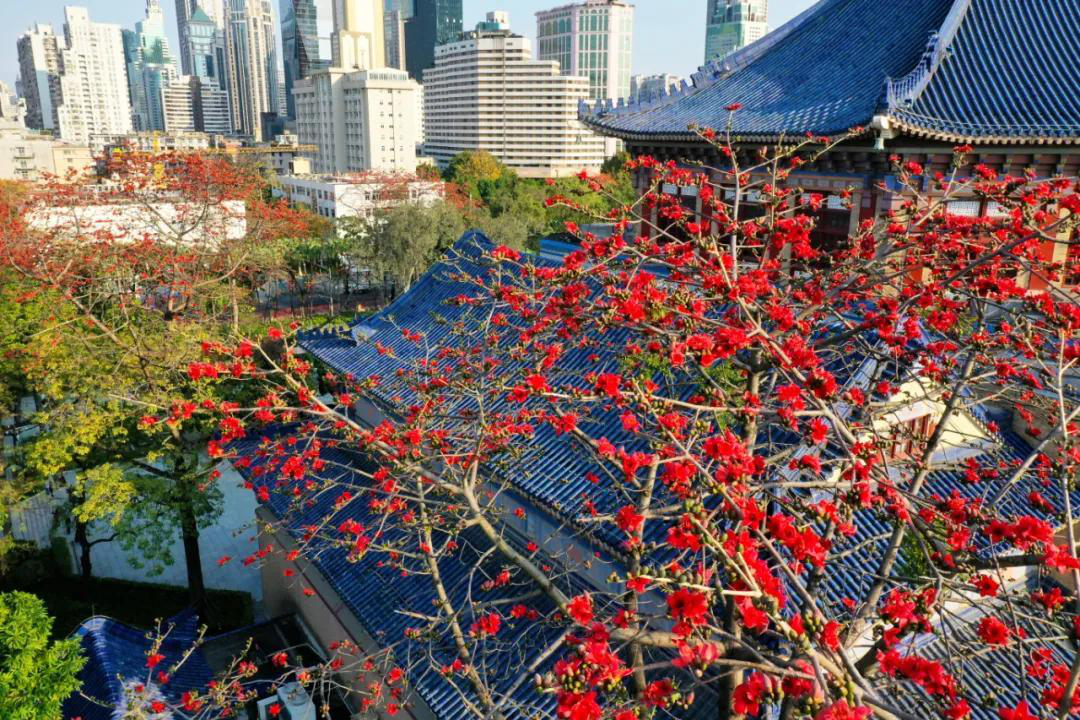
(905,90)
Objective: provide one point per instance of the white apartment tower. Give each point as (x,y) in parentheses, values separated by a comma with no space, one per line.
(594,38)
(359,119)
(12,108)
(95,104)
(256,75)
(361,114)
(486,92)
(39,72)
(732,24)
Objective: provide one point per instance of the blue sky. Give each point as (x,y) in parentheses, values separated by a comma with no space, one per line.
(669,34)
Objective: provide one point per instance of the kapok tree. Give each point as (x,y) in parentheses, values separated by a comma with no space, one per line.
(144,265)
(791,469)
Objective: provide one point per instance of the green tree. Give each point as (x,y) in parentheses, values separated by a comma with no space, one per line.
(36,675)
(117,365)
(472,168)
(24,311)
(400,243)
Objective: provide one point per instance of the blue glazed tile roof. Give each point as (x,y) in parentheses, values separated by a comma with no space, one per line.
(823,72)
(961,70)
(116,655)
(379,596)
(551,469)
(1009,72)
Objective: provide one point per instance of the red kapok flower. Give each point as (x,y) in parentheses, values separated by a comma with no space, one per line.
(842,711)
(993,632)
(581,609)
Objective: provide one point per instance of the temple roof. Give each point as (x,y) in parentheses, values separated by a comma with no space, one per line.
(956,70)
(116,657)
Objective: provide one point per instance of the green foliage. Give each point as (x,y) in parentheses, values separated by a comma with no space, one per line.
(913,564)
(402,242)
(161,495)
(36,675)
(506,229)
(515,209)
(24,310)
(474,170)
(616,164)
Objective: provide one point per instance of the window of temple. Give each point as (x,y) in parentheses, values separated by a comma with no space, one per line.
(909,437)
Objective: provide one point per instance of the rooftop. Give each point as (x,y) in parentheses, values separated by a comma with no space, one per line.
(993,71)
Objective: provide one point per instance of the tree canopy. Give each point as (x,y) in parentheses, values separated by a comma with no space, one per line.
(36,674)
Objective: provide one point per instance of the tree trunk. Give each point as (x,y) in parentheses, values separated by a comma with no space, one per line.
(86,569)
(193,559)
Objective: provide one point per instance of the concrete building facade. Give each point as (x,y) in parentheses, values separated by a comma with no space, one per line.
(486,92)
(394,38)
(39,73)
(95,98)
(360,196)
(594,38)
(732,24)
(357,42)
(28,155)
(192,104)
(256,76)
(360,120)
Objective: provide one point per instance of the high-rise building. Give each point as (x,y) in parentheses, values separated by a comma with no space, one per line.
(357,42)
(486,92)
(430,24)
(594,38)
(394,38)
(644,87)
(39,73)
(361,114)
(203,41)
(359,119)
(95,101)
(732,24)
(150,68)
(186,12)
(256,78)
(200,100)
(192,104)
(300,45)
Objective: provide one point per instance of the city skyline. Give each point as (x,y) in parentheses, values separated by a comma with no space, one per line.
(677,46)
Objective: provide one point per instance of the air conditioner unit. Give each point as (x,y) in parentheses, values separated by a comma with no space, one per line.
(295,704)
